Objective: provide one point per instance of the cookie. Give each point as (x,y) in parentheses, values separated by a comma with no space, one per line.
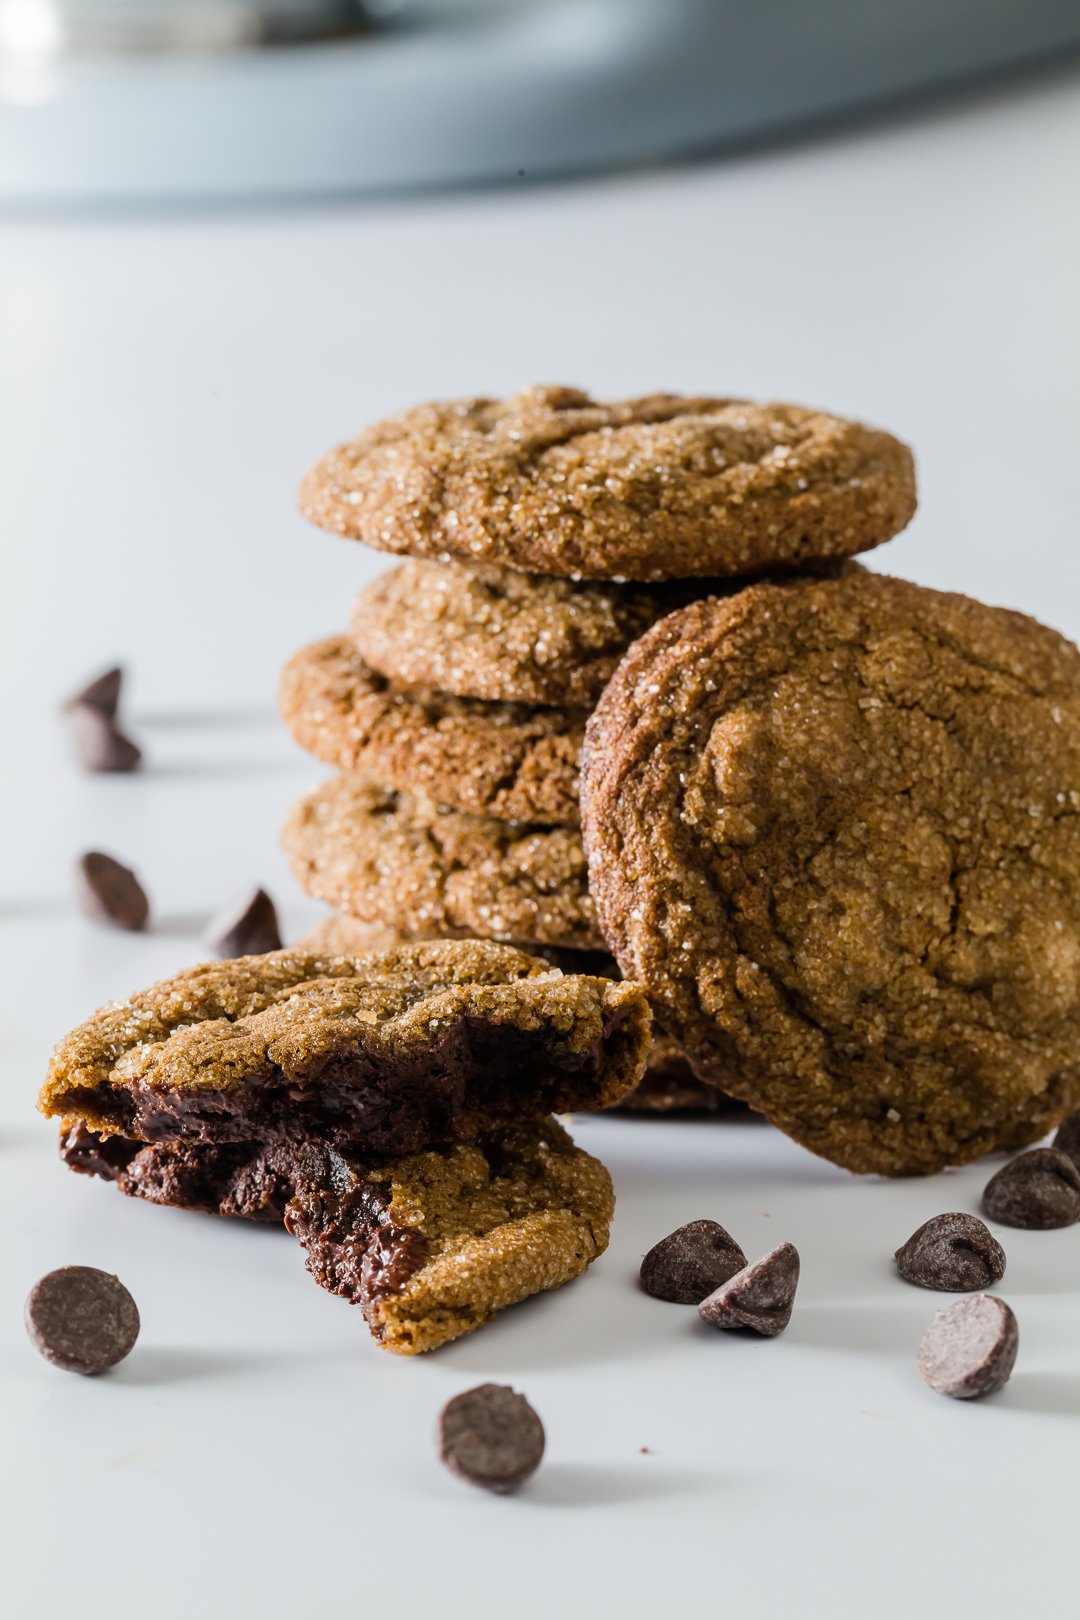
(382,856)
(501,635)
(430,1245)
(832,829)
(668,1086)
(663,487)
(494,759)
(390,1052)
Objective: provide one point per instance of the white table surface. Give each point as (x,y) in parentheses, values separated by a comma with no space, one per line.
(162,385)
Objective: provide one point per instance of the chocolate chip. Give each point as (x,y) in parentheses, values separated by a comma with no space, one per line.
(691,1262)
(103,693)
(109,892)
(1039,1190)
(249,929)
(969,1349)
(99,746)
(81,1319)
(956,1253)
(759,1297)
(1067,1139)
(491,1436)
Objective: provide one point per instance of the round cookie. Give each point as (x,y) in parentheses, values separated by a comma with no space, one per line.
(832,828)
(668,1086)
(663,487)
(501,635)
(381,856)
(493,759)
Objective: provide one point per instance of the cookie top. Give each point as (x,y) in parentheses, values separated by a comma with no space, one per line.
(507,760)
(663,487)
(389,1052)
(501,635)
(832,829)
(401,860)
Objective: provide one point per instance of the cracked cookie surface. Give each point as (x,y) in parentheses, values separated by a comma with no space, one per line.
(382,856)
(430,1246)
(661,487)
(389,1052)
(508,760)
(834,829)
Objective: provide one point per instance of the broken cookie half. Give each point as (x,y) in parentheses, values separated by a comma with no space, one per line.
(389,1052)
(391,1109)
(430,1245)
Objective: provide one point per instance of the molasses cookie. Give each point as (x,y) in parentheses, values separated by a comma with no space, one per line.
(501,635)
(832,828)
(507,760)
(383,856)
(663,487)
(430,1246)
(385,1053)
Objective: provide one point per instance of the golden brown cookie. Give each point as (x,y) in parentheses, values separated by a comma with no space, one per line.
(501,635)
(430,1246)
(833,829)
(668,1086)
(663,487)
(507,760)
(383,856)
(386,1053)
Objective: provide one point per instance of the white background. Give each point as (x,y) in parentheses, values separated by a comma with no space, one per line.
(163,384)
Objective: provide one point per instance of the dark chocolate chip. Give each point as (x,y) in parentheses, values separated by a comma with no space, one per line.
(99,746)
(758,1298)
(249,929)
(109,892)
(103,693)
(691,1262)
(1039,1190)
(1067,1139)
(491,1436)
(956,1253)
(969,1349)
(81,1319)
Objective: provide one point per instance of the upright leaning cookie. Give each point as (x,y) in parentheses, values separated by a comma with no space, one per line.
(663,487)
(507,760)
(832,828)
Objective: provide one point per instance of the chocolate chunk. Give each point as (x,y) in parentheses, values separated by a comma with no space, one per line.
(99,745)
(759,1297)
(109,892)
(969,1349)
(81,1319)
(956,1253)
(103,693)
(1067,1139)
(1039,1190)
(246,930)
(491,1436)
(691,1262)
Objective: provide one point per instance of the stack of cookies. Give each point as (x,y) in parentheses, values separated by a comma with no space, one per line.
(545,534)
